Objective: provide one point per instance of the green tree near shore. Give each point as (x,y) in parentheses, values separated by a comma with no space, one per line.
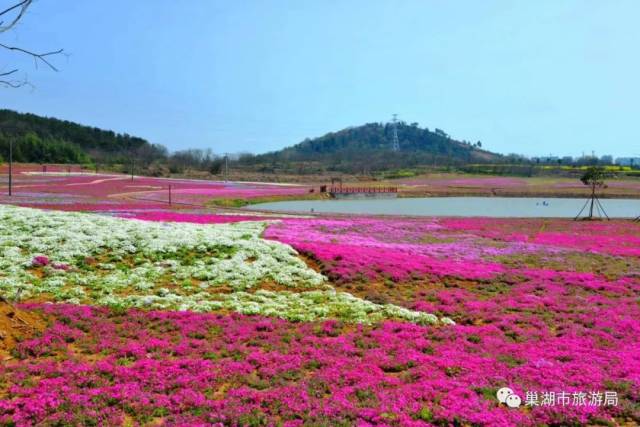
(594,177)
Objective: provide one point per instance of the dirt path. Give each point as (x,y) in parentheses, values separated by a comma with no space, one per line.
(97,181)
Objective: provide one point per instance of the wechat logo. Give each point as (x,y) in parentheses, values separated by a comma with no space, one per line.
(508,397)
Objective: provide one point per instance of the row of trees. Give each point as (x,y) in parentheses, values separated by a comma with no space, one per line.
(204,160)
(49,147)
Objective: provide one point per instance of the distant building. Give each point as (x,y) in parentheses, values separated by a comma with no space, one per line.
(567,160)
(587,160)
(546,159)
(628,161)
(606,159)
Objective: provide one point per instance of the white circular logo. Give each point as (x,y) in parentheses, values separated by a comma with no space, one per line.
(503,393)
(513,401)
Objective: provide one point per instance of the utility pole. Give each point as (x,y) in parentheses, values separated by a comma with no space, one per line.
(226,167)
(631,164)
(10,166)
(133,158)
(396,144)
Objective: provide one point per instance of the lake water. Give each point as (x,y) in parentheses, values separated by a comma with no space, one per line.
(498,207)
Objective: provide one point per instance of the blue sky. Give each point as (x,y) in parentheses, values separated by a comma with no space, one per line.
(532,77)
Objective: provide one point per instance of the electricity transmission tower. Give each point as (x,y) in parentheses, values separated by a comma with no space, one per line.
(396,144)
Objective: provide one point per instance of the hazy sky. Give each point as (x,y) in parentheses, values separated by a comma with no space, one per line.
(531,77)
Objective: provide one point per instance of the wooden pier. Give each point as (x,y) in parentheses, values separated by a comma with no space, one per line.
(364,192)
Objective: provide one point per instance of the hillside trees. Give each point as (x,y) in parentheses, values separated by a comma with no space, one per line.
(33,149)
(101,146)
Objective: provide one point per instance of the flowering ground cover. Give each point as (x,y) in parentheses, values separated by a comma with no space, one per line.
(481,182)
(237,191)
(542,296)
(191,217)
(82,258)
(464,248)
(113,367)
(370,249)
(98,192)
(140,314)
(451,184)
(610,237)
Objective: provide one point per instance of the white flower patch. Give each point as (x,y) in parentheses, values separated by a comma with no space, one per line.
(92,259)
(69,238)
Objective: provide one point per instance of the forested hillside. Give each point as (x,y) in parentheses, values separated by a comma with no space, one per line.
(369,148)
(43,139)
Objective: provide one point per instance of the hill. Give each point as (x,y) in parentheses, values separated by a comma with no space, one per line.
(368,148)
(354,150)
(44,139)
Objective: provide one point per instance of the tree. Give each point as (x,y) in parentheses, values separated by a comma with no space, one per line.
(594,177)
(9,18)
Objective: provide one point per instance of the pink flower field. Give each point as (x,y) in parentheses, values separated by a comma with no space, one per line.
(545,307)
(452,184)
(481,182)
(57,189)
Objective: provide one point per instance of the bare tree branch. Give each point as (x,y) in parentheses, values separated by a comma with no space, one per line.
(8,73)
(36,56)
(12,83)
(19,9)
(23,5)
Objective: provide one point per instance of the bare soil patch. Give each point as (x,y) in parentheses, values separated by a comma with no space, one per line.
(16,325)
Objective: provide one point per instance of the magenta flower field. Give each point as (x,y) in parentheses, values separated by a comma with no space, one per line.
(545,307)
(87,191)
